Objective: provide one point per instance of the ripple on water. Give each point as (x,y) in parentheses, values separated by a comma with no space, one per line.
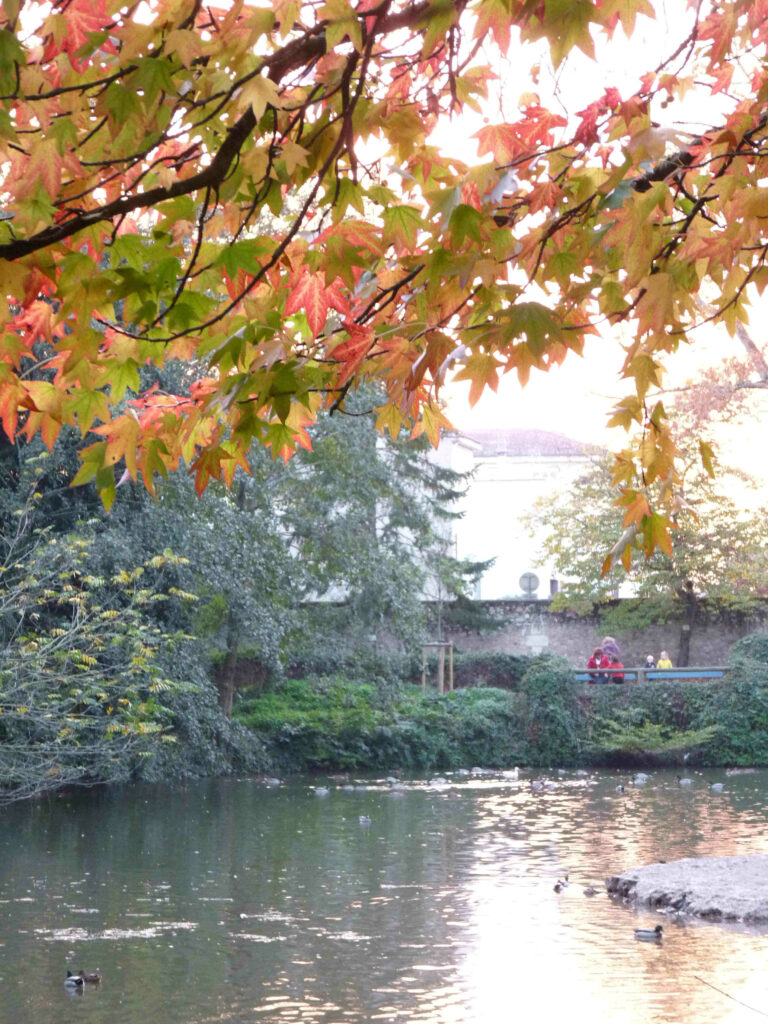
(114,934)
(282,909)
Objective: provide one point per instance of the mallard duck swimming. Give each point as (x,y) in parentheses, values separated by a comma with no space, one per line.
(649,934)
(73,980)
(90,979)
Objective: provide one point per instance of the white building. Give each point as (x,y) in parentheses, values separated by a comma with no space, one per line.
(512,469)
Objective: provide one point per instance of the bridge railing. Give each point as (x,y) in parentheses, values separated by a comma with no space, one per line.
(649,675)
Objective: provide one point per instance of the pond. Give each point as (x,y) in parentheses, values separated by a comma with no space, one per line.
(427,901)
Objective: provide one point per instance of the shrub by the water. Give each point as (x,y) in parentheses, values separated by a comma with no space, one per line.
(332,723)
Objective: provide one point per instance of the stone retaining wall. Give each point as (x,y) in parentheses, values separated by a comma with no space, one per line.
(531,627)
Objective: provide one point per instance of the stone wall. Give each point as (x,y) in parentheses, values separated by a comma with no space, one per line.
(531,627)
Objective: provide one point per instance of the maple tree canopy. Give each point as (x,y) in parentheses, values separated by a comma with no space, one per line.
(252,189)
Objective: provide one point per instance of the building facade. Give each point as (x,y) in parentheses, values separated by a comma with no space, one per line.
(512,470)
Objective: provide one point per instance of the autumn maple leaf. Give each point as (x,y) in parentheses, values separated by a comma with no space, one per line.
(80,19)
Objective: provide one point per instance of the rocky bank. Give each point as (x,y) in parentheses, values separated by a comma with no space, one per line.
(716,888)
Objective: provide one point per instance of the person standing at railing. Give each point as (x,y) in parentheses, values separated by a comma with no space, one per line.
(598,659)
(650,661)
(664,661)
(610,647)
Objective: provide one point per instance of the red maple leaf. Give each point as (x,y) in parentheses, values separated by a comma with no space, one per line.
(82,18)
(311,295)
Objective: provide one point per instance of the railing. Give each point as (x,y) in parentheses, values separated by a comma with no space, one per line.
(649,675)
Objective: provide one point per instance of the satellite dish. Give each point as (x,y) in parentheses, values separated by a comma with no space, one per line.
(529,583)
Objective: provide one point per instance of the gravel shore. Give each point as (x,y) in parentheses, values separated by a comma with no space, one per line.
(715,888)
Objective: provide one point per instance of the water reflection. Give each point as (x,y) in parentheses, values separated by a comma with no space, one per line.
(430,903)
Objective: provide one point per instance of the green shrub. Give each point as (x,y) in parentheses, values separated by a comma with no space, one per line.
(332,723)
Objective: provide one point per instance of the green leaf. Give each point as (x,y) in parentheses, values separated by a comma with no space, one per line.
(401,226)
(466,222)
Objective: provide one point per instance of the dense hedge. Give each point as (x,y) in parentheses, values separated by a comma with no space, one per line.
(332,723)
(546,720)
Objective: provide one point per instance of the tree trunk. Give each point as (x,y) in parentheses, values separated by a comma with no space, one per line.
(226,684)
(227,679)
(691,608)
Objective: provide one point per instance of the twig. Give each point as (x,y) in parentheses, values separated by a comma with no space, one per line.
(729,996)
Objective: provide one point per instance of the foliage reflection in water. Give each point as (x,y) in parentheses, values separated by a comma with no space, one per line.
(429,902)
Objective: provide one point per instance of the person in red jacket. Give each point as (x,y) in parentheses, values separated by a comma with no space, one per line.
(598,660)
(616,677)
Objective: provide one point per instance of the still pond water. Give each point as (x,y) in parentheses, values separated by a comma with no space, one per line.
(431,902)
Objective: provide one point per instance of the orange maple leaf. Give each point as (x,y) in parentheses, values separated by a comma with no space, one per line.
(352,352)
(311,295)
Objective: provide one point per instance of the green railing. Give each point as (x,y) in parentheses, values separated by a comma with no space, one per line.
(649,675)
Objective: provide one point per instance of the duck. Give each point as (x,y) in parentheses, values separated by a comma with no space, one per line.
(73,980)
(640,779)
(561,883)
(717,787)
(649,934)
(90,979)
(620,788)
(591,891)
(684,782)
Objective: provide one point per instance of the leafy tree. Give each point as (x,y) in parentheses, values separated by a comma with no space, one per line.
(719,553)
(367,516)
(355,520)
(140,146)
(83,696)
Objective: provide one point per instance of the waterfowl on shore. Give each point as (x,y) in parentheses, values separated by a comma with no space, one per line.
(90,979)
(649,934)
(73,980)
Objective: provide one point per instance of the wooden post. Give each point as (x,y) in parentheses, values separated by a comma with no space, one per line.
(441,669)
(450,666)
(424,668)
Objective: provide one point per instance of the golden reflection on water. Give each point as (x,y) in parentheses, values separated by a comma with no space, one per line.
(566,954)
(428,904)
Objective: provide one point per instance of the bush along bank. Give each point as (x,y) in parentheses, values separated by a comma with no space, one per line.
(332,723)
